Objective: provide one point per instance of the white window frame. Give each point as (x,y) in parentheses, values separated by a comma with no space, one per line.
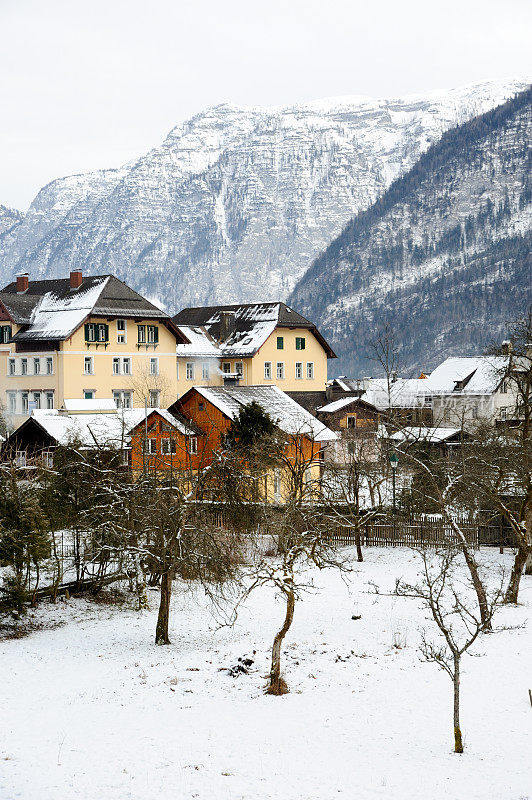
(267,370)
(168,447)
(154,365)
(193,445)
(116,366)
(190,370)
(310,370)
(205,371)
(298,372)
(150,334)
(11,366)
(49,365)
(88,365)
(37,399)
(226,367)
(239,368)
(86,392)
(154,398)
(20,458)
(121,333)
(36,365)
(152,446)
(280,370)
(127,366)
(12,402)
(25,402)
(49,399)
(23,366)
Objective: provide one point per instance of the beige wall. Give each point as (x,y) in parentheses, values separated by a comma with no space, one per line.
(253,368)
(313,353)
(70,381)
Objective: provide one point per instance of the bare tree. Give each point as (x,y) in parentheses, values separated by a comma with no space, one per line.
(448,599)
(441,484)
(352,484)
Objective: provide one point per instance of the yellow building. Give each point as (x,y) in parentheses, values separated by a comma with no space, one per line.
(92,338)
(254,344)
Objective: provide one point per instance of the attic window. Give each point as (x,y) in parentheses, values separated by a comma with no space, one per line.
(280,342)
(5,334)
(300,342)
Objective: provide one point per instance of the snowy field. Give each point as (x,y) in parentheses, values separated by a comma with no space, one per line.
(93,709)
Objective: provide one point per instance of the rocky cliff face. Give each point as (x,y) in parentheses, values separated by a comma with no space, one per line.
(8,218)
(443,256)
(236,203)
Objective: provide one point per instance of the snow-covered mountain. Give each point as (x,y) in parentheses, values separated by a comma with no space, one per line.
(443,257)
(236,203)
(8,218)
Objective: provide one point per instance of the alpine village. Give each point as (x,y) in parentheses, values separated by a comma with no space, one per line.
(265,416)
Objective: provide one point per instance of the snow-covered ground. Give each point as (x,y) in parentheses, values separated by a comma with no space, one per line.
(94,710)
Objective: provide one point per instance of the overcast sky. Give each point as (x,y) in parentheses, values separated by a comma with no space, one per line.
(93,84)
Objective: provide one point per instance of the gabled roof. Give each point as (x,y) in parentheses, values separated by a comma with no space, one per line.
(345,402)
(253,324)
(288,415)
(403,393)
(200,343)
(104,430)
(176,420)
(51,309)
(477,375)
(425,435)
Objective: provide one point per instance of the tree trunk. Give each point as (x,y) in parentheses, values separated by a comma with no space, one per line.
(479,588)
(277,685)
(161,632)
(528,563)
(458,746)
(140,585)
(517,570)
(360,557)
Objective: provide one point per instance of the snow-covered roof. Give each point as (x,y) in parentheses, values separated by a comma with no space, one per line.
(180,425)
(403,393)
(83,406)
(57,317)
(336,405)
(90,430)
(52,309)
(423,434)
(476,375)
(288,415)
(201,345)
(250,325)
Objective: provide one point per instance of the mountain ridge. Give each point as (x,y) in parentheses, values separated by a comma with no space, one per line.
(235,203)
(443,256)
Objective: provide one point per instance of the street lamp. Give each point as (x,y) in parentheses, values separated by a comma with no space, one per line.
(394,460)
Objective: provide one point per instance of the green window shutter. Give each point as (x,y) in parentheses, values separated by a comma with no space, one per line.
(300,343)
(9,332)
(106,333)
(86,331)
(156,335)
(280,342)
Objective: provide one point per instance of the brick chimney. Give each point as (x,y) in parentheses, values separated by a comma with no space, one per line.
(22,283)
(76,279)
(227,324)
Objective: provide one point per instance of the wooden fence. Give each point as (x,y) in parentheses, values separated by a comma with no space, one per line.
(379,531)
(402,534)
